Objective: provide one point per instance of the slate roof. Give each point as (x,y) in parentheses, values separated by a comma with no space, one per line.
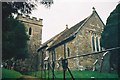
(67,33)
(49,42)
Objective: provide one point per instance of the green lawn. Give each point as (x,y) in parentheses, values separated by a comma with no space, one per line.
(76,74)
(58,74)
(10,74)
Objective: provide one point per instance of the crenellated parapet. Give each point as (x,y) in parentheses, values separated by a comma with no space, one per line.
(33,28)
(30,20)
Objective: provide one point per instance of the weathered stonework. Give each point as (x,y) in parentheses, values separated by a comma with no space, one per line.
(34,31)
(81,39)
(82,44)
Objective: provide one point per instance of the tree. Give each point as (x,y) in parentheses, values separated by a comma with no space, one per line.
(110,37)
(8,8)
(47,3)
(14,40)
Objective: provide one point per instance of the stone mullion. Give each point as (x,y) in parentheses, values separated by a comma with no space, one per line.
(99,43)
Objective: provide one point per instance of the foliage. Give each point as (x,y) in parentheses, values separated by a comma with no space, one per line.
(14,39)
(9,8)
(110,34)
(110,37)
(13,32)
(10,74)
(47,3)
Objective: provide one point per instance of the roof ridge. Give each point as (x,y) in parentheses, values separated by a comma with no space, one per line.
(66,30)
(94,12)
(70,33)
(57,36)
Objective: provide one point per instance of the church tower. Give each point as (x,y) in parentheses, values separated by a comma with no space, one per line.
(34,31)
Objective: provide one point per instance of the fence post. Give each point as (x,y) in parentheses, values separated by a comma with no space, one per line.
(48,67)
(53,65)
(101,64)
(63,61)
(70,73)
(42,65)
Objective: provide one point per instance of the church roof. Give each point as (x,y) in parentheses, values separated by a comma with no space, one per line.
(69,34)
(50,41)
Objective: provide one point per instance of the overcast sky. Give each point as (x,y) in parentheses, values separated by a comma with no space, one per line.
(70,12)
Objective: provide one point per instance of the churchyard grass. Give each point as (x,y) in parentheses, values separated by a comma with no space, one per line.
(76,74)
(10,74)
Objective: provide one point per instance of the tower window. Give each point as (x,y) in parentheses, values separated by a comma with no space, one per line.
(30,31)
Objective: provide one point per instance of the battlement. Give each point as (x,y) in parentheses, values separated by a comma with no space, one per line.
(28,19)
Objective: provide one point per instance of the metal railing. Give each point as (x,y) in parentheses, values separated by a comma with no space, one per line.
(65,61)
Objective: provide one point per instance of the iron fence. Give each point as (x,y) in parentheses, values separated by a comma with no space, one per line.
(65,66)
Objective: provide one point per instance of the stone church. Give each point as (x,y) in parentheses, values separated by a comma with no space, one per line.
(80,39)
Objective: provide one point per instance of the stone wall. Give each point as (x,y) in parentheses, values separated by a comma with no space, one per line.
(83,44)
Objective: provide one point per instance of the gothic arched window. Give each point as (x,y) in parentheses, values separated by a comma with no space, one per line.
(93,43)
(97,44)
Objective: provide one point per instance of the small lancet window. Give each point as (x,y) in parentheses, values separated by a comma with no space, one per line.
(93,43)
(30,31)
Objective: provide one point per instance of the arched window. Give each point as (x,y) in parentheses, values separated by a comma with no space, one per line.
(93,43)
(97,44)
(30,31)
